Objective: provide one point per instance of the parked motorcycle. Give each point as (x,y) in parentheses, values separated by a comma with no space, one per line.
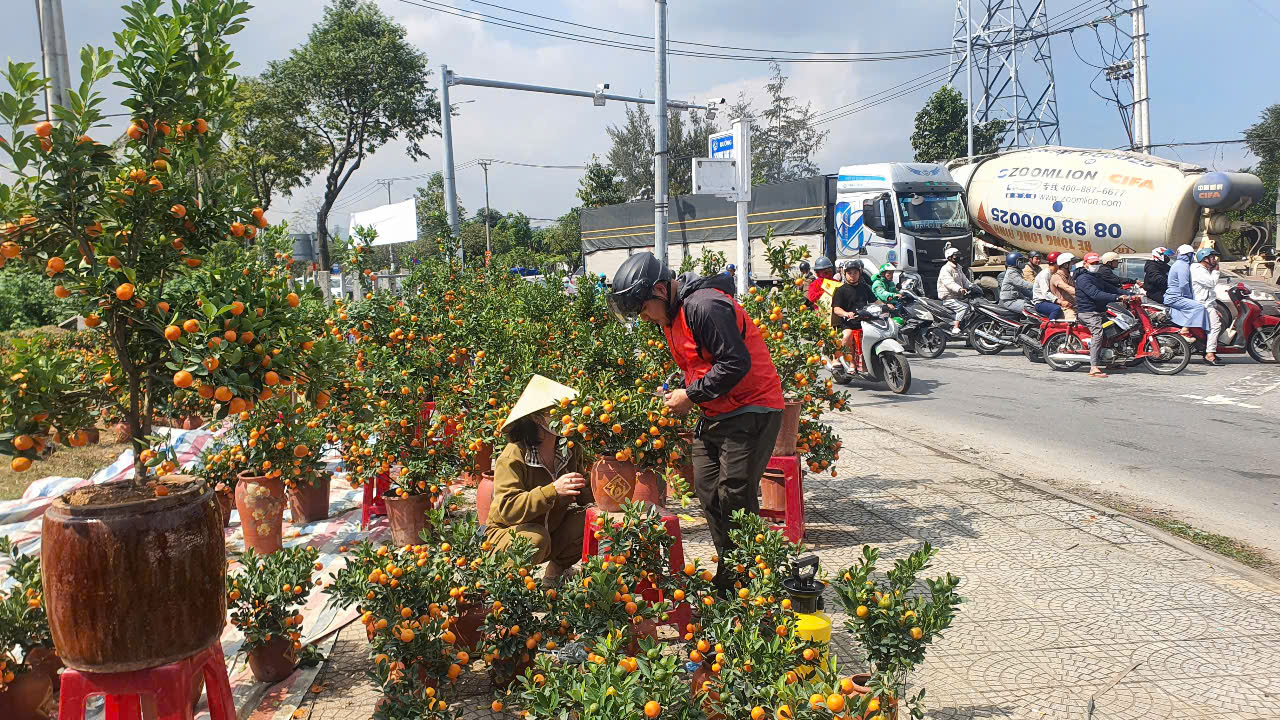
(1131,334)
(884,358)
(1245,327)
(997,327)
(921,333)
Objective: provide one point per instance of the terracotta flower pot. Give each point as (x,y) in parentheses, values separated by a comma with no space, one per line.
(226,503)
(773,490)
(786,442)
(483,464)
(122,432)
(45,660)
(466,628)
(170,548)
(700,675)
(642,629)
(308,503)
(484,498)
(408,517)
(503,673)
(191,422)
(614,481)
(260,501)
(274,661)
(92,436)
(25,697)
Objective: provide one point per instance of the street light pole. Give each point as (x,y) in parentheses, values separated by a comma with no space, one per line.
(53,51)
(660,146)
(446,133)
(488,248)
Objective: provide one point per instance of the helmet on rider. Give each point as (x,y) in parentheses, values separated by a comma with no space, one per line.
(952,253)
(1161,253)
(1092,258)
(823,263)
(1110,257)
(633,284)
(1065,259)
(1014,259)
(1052,257)
(888,268)
(804,267)
(1035,254)
(1185,249)
(1205,253)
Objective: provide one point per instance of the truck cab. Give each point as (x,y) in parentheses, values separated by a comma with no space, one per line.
(904,213)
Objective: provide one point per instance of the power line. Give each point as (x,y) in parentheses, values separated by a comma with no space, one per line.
(636,47)
(869,97)
(699,44)
(927,80)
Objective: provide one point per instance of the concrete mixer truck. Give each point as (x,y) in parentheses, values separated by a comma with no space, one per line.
(1059,199)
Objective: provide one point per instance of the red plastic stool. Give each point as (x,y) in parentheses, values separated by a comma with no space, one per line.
(372,504)
(680,616)
(170,685)
(792,515)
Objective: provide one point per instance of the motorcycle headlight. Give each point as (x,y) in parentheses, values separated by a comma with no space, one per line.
(1262,295)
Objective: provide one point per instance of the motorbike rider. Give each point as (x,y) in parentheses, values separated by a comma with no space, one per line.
(954,287)
(1204,283)
(823,270)
(1014,290)
(728,373)
(805,272)
(1033,267)
(886,290)
(1063,286)
(1045,302)
(1093,293)
(1180,298)
(1111,262)
(846,303)
(1155,274)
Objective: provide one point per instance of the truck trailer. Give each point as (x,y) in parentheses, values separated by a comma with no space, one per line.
(799,210)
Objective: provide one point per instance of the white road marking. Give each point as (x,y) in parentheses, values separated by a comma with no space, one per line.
(1220,400)
(1256,383)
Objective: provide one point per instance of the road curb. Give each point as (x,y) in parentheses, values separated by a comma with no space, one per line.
(1256,576)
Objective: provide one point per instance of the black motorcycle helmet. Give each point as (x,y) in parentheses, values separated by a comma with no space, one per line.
(633,284)
(804,267)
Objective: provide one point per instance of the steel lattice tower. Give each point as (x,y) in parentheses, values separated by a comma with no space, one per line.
(1012,67)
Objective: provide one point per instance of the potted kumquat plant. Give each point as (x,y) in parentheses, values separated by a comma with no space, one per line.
(261,599)
(895,625)
(28,678)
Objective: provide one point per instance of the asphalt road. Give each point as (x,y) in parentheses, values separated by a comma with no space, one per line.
(1200,445)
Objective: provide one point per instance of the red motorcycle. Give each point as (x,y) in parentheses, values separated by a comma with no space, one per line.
(1132,333)
(1245,327)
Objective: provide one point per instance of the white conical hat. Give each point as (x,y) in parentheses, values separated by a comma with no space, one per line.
(540,394)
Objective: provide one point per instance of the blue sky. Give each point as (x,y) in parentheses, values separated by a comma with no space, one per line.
(1213,69)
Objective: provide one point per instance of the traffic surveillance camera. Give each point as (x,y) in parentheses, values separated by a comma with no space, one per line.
(598,98)
(601,87)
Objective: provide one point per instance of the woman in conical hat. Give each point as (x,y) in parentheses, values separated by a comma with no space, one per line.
(539,491)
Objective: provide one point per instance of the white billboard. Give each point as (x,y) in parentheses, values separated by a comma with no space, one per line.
(396,224)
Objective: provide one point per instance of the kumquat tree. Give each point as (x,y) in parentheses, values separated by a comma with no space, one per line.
(117,227)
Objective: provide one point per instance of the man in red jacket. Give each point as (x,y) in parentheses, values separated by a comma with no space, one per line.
(728,373)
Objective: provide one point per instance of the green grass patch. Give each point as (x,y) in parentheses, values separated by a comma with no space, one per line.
(1220,544)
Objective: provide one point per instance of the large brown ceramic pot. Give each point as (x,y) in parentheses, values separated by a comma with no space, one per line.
(260,501)
(134,574)
(309,503)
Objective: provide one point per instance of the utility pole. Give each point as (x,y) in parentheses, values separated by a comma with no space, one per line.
(391,249)
(968,62)
(1141,101)
(488,248)
(599,98)
(660,146)
(446,132)
(53,51)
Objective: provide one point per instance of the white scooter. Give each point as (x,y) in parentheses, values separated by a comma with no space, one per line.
(884,359)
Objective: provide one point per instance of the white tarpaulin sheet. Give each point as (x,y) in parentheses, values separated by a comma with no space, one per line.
(397,223)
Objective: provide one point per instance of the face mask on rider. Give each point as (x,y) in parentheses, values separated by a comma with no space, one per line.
(1092,268)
